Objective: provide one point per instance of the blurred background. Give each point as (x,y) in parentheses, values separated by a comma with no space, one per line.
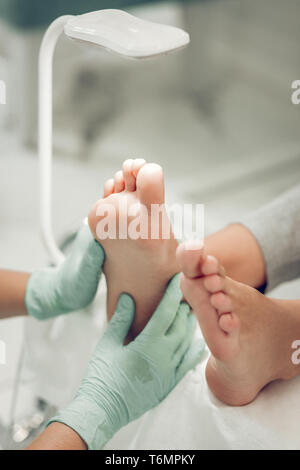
(218,117)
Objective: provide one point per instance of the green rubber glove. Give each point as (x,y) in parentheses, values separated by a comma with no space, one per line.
(72,286)
(123,382)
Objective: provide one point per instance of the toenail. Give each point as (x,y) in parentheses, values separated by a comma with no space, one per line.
(210,265)
(193,245)
(128,163)
(212,259)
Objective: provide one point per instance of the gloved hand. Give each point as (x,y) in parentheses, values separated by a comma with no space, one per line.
(123,382)
(72,286)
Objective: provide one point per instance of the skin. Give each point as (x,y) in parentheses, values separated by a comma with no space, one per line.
(239,325)
(12,293)
(158,271)
(242,258)
(230,313)
(147,281)
(239,265)
(58,437)
(227,319)
(159,267)
(141,267)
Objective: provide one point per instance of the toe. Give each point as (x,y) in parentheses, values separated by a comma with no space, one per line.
(199,300)
(193,291)
(221,302)
(212,266)
(214,283)
(109,187)
(190,256)
(137,164)
(150,184)
(229,323)
(130,180)
(119,182)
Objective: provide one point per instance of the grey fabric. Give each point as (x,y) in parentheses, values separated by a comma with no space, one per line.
(276,227)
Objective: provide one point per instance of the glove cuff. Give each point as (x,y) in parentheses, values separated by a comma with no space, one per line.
(88,420)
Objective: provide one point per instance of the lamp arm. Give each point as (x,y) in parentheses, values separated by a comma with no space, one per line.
(45,143)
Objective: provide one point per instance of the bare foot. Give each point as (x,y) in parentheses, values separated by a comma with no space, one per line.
(249,335)
(141,267)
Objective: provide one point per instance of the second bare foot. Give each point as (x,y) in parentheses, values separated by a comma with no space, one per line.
(250,336)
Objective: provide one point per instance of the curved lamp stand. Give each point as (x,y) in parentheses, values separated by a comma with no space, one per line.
(46,134)
(117,32)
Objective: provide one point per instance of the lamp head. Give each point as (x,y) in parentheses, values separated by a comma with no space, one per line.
(125,34)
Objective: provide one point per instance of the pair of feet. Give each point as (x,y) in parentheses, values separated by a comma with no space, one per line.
(249,335)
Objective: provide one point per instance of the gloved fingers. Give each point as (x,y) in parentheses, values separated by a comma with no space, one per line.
(184,338)
(87,248)
(190,359)
(179,325)
(165,313)
(83,237)
(121,321)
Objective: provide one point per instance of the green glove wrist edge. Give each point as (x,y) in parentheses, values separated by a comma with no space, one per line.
(88,420)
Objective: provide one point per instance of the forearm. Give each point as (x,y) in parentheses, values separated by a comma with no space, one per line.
(240,254)
(58,436)
(12,293)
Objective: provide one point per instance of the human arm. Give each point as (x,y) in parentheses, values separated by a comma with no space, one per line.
(50,292)
(12,293)
(58,436)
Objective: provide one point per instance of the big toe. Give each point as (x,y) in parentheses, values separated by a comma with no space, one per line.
(150,184)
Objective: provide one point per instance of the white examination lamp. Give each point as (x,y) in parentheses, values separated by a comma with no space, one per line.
(114,30)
